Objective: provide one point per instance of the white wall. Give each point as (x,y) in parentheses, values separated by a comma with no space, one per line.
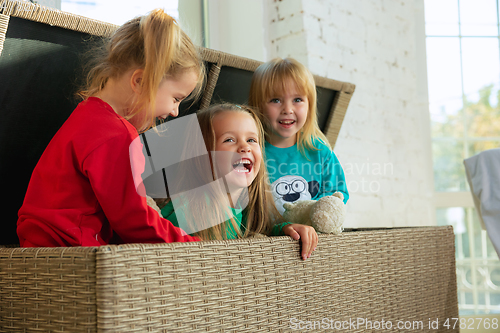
(379,45)
(236,27)
(191,19)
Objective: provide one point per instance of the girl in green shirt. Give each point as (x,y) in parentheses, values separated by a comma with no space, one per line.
(234,138)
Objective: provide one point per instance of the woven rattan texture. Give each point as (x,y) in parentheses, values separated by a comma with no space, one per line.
(337,115)
(4,22)
(48,290)
(213,75)
(259,285)
(47,15)
(251,285)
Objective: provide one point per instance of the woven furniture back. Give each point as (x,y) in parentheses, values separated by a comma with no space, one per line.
(48,290)
(402,276)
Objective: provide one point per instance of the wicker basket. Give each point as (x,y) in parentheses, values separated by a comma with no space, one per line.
(401,276)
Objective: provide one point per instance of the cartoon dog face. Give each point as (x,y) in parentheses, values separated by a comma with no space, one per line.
(292,189)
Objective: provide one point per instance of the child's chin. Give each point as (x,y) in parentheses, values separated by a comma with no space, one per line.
(236,180)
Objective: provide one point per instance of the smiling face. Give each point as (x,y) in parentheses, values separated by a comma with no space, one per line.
(237,146)
(171,92)
(286,114)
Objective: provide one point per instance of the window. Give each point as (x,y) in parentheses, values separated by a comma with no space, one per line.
(478,267)
(463,62)
(118,12)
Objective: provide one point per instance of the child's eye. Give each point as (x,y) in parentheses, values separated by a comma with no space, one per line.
(252,140)
(177,100)
(228,140)
(298,100)
(274,100)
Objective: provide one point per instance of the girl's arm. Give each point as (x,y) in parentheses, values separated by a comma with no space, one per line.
(277,229)
(109,172)
(307,235)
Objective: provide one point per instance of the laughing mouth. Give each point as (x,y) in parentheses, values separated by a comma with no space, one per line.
(244,165)
(287,122)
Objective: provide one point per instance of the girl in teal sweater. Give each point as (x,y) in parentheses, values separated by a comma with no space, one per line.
(300,161)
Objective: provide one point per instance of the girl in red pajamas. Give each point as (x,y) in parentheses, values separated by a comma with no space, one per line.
(82,191)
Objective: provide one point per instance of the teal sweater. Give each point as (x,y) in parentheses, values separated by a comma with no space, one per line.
(239,216)
(296,177)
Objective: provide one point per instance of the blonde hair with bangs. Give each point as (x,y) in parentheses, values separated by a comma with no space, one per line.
(154,43)
(272,79)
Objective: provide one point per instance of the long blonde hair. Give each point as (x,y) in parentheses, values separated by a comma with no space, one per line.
(154,43)
(271,79)
(260,213)
(209,204)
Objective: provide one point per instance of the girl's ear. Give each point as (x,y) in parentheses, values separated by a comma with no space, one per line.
(136,80)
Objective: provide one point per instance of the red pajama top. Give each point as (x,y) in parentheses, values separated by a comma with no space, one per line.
(82,191)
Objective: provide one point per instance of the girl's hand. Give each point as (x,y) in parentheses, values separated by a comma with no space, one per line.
(307,235)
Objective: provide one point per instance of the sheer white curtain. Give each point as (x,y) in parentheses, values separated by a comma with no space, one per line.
(483,174)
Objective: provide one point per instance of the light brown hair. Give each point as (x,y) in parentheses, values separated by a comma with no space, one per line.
(260,213)
(272,79)
(154,43)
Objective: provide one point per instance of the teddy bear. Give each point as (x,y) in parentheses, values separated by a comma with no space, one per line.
(325,215)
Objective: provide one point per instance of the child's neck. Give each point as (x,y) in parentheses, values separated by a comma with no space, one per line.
(234,196)
(280,142)
(118,94)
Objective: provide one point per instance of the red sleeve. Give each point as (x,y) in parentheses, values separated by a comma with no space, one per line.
(109,172)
